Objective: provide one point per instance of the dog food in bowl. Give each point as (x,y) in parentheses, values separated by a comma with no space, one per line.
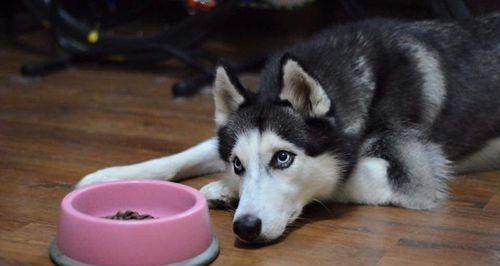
(129,215)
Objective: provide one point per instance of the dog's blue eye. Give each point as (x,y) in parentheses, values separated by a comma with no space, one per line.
(282,159)
(238,166)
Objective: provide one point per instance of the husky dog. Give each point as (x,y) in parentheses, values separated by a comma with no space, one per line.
(376,112)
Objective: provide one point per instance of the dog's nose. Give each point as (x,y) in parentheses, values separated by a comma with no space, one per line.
(247,227)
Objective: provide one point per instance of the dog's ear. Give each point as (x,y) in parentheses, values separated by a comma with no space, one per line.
(301,89)
(229,94)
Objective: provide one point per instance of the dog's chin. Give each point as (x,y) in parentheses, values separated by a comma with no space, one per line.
(269,239)
(259,242)
(262,240)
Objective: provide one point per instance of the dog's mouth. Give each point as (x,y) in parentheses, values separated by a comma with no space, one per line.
(261,241)
(293,216)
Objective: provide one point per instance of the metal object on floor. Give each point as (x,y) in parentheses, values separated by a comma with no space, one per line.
(83,43)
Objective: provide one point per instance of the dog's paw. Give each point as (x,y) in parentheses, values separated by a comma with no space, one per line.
(101,176)
(219,194)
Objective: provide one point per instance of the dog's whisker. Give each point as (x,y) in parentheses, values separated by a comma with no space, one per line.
(324,206)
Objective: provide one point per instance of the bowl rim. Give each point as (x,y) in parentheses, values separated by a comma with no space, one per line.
(67,206)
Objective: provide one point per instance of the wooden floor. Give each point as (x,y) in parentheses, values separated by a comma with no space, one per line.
(55,129)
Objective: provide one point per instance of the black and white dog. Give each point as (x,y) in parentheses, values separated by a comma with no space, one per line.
(375,112)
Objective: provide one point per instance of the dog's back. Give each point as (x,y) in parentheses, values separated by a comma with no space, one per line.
(470,57)
(468,126)
(440,76)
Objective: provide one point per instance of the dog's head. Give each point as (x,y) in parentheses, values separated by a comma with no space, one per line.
(283,147)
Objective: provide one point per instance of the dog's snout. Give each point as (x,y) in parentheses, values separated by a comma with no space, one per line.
(247,227)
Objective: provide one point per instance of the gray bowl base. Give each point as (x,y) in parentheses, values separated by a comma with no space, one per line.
(205,258)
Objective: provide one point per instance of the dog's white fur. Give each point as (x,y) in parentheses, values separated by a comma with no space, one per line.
(368,184)
(433,79)
(198,160)
(277,196)
(488,158)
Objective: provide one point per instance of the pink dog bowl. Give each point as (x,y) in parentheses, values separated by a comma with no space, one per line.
(181,234)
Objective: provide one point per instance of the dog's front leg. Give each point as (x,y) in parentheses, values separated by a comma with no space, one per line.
(222,193)
(198,160)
